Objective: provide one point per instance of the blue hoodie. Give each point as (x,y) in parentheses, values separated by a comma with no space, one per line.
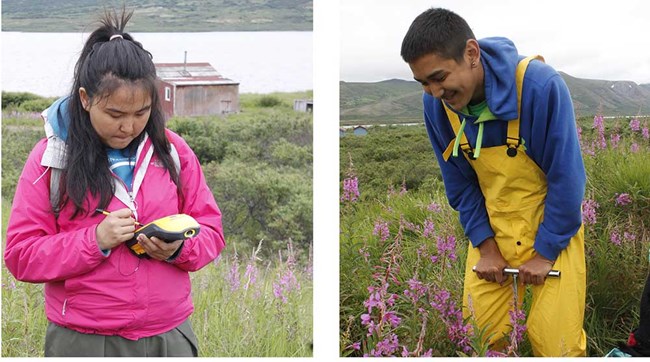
(547,125)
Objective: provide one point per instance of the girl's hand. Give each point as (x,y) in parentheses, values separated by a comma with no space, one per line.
(115,229)
(158,249)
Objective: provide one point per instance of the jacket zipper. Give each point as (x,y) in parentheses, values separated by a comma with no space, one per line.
(64,304)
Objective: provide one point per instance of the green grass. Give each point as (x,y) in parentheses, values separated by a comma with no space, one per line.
(250,322)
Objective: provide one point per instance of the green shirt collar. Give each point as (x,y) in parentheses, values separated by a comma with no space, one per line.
(481,111)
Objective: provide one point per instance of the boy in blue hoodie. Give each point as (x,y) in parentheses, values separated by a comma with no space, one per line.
(503,130)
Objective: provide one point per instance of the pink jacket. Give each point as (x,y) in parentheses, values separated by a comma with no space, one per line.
(118,294)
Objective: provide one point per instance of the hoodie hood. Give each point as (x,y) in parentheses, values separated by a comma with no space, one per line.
(57,115)
(56,119)
(499,58)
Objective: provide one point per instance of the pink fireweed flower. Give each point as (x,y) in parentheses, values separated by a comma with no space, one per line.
(579,134)
(435,207)
(355,346)
(629,236)
(491,353)
(589,211)
(365,319)
(599,125)
(598,122)
(381,230)
(635,125)
(11,285)
(416,290)
(392,318)
(405,351)
(615,139)
(391,299)
(447,246)
(428,229)
(518,322)
(285,284)
(646,133)
(634,148)
(375,299)
(452,316)
(388,346)
(615,238)
(350,189)
(233,275)
(407,225)
(623,199)
(250,275)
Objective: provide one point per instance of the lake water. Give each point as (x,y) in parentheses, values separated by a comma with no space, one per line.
(262,62)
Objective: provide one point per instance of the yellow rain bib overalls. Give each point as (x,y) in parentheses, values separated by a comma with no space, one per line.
(514,188)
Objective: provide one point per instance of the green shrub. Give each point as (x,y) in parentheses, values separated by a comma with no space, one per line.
(268,101)
(15,99)
(36,105)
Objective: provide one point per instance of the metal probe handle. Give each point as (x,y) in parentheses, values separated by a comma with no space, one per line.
(515,271)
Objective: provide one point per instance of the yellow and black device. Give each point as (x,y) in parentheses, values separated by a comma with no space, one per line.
(168,229)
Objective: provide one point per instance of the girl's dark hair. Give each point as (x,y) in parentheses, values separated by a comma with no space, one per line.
(103,66)
(437,31)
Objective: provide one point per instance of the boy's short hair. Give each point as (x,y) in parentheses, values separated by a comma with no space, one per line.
(437,31)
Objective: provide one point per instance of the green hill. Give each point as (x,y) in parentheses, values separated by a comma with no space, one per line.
(400,101)
(395,101)
(160,15)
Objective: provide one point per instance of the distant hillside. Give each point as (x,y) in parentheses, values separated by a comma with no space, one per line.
(160,15)
(392,100)
(400,101)
(616,98)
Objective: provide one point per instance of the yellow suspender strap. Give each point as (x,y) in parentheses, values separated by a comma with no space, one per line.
(455,125)
(454,120)
(513,126)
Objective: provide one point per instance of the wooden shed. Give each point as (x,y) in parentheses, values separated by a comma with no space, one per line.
(195,89)
(303,105)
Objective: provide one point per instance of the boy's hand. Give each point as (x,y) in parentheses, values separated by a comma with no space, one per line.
(535,270)
(491,264)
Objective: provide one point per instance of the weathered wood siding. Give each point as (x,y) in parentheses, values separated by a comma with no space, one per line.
(206,99)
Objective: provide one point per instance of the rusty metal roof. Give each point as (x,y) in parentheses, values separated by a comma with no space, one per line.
(191,74)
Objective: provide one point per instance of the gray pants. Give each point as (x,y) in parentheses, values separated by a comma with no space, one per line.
(64,342)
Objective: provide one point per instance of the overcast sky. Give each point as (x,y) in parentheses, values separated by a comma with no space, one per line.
(586,39)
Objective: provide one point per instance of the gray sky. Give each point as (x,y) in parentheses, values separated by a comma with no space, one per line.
(586,39)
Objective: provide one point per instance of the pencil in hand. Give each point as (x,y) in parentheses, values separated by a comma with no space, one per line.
(102,211)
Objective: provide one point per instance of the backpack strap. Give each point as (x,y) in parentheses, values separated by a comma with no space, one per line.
(55,190)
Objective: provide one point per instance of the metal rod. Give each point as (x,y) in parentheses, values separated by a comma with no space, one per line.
(514,271)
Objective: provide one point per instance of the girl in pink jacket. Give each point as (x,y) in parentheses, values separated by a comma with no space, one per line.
(107,148)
